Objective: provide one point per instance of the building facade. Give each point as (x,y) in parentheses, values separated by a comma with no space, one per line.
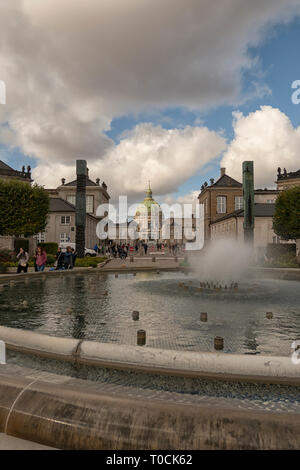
(96,194)
(61,221)
(287,180)
(8,173)
(231,226)
(225,197)
(61,225)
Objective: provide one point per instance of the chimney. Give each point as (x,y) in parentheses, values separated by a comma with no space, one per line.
(223,170)
(87,172)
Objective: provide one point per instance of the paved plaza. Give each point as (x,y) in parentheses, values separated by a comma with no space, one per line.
(144,262)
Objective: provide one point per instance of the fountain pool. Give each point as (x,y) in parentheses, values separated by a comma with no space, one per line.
(98,306)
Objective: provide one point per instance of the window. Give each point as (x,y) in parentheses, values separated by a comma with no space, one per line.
(65,237)
(71,198)
(90,204)
(40,237)
(221,204)
(65,219)
(238,202)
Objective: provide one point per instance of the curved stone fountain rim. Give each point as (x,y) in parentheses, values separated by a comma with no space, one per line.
(208,365)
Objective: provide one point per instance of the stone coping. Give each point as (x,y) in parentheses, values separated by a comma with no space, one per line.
(209,365)
(75,414)
(14,276)
(287,274)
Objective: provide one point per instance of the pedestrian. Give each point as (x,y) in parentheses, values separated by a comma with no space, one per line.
(145,248)
(68,258)
(35,255)
(74,256)
(59,259)
(23,258)
(41,258)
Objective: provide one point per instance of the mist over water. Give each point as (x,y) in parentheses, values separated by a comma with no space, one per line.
(224,260)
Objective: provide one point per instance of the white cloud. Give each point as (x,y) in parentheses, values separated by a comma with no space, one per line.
(71,67)
(267,137)
(165,157)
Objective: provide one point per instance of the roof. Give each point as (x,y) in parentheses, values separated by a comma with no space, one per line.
(266,191)
(58,204)
(3,166)
(288,176)
(88,183)
(260,210)
(226,181)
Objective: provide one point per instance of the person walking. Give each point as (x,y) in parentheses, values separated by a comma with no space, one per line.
(23,258)
(41,258)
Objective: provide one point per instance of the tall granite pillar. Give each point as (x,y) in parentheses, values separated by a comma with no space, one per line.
(248,195)
(81,172)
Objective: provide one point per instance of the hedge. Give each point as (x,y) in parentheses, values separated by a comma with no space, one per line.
(21,243)
(275,250)
(50,248)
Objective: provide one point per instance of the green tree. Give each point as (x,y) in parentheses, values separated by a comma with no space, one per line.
(23,208)
(286,220)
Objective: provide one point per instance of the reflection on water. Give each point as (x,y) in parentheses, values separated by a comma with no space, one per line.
(98,306)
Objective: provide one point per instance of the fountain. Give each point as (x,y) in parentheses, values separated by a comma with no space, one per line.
(216,337)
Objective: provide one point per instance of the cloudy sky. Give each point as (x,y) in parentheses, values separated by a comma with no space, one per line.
(160,90)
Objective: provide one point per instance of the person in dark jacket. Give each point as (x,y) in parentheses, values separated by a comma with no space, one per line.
(74,254)
(68,258)
(59,259)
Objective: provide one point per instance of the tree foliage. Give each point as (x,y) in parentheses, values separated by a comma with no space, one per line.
(23,208)
(286,220)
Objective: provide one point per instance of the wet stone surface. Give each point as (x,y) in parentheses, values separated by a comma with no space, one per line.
(226,394)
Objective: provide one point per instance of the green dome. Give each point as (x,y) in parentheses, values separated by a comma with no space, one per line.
(147,203)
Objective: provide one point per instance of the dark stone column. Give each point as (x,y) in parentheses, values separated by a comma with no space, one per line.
(248,194)
(81,171)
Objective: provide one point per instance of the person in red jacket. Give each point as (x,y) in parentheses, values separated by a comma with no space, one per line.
(40,259)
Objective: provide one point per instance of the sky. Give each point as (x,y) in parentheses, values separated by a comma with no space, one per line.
(159,90)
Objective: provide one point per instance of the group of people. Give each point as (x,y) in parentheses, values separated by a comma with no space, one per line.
(40,259)
(63,260)
(123,250)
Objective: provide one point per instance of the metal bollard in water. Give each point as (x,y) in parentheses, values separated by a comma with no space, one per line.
(141,337)
(135,315)
(203,316)
(219,342)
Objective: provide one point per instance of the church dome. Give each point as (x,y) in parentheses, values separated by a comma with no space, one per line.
(147,203)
